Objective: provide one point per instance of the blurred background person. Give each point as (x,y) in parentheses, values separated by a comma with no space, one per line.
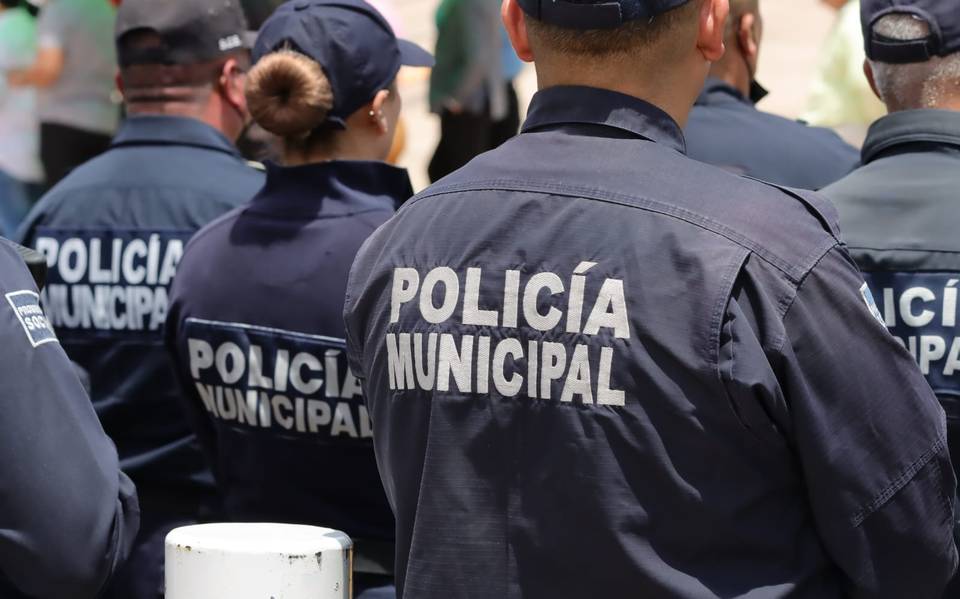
(113,232)
(840,95)
(75,73)
(725,128)
(270,277)
(467,86)
(20,169)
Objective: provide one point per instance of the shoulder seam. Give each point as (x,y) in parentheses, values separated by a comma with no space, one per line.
(793,273)
(788,301)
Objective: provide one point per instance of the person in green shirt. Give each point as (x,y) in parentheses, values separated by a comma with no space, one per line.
(840,95)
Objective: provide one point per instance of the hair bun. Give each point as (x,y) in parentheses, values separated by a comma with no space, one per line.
(289,94)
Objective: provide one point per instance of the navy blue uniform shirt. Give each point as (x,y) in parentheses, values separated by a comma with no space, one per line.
(725,129)
(597,368)
(113,232)
(256,328)
(900,218)
(68,516)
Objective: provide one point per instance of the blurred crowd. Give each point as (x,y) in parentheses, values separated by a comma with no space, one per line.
(60,106)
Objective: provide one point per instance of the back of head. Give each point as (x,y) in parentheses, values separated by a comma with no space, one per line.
(913,49)
(609,40)
(174,51)
(657,50)
(323,72)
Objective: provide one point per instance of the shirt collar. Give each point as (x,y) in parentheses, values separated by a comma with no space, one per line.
(939,127)
(172,130)
(716,92)
(353,186)
(592,106)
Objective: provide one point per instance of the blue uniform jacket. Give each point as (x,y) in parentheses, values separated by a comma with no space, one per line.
(256,329)
(899,216)
(113,232)
(726,130)
(68,516)
(597,368)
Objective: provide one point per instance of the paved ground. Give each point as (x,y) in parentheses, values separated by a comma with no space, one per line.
(792,36)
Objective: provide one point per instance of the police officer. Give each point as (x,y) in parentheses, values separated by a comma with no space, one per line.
(256,318)
(597,368)
(726,129)
(114,230)
(898,211)
(69,516)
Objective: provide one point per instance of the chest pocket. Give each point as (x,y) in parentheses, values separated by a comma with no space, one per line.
(920,309)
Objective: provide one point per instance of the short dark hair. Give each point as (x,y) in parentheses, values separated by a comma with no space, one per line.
(627,38)
(9,3)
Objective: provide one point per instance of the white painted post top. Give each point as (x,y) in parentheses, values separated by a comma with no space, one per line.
(258,561)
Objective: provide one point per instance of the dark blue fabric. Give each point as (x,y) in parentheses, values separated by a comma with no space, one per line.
(726,130)
(899,216)
(68,516)
(113,233)
(290,438)
(597,368)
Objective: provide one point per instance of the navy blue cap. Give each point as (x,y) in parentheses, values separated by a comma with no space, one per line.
(943,17)
(596,14)
(354,44)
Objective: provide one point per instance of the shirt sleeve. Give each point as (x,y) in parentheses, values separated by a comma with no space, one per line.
(870,437)
(68,516)
(51,26)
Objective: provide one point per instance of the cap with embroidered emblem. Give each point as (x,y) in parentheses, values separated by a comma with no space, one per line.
(190,31)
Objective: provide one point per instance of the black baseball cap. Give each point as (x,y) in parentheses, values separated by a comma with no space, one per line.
(596,14)
(943,17)
(354,44)
(190,31)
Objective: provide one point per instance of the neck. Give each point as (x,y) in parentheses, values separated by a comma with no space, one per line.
(341,147)
(666,90)
(737,78)
(204,114)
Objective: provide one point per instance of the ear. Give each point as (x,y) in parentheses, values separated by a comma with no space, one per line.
(515,21)
(748,37)
(713,21)
(868,71)
(231,83)
(118,80)
(377,116)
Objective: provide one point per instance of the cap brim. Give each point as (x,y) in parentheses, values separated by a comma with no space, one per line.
(249,39)
(412,55)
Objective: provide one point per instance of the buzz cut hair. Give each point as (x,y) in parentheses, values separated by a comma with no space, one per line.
(599,43)
(927,84)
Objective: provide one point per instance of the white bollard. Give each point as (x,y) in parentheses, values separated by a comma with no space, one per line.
(258,561)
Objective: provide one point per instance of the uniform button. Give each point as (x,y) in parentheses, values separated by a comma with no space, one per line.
(301,5)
